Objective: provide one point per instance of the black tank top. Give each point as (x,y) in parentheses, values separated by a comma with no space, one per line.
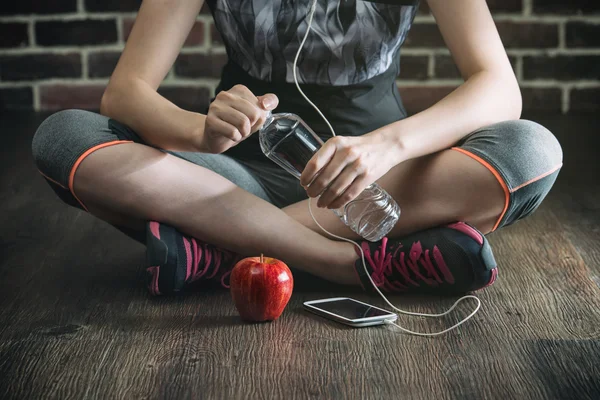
(347,66)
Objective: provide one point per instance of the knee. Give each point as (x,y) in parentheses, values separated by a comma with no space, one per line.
(533,144)
(49,134)
(531,161)
(50,144)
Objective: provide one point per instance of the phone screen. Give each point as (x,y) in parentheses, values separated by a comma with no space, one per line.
(350,309)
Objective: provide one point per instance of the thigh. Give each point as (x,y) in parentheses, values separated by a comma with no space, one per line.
(232,169)
(66,138)
(282,187)
(433,190)
(61,143)
(492,178)
(525,158)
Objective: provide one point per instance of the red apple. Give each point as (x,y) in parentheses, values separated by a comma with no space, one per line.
(261,288)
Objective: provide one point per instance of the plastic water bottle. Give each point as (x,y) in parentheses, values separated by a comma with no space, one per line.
(289,142)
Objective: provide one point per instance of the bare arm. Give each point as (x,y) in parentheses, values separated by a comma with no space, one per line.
(490,93)
(160,30)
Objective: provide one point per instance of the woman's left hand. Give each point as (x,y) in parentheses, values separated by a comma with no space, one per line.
(345,166)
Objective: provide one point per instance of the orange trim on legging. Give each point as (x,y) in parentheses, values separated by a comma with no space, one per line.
(537,178)
(51,180)
(498,177)
(81,158)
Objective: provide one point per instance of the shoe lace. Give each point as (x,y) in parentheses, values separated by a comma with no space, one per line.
(204,256)
(415,267)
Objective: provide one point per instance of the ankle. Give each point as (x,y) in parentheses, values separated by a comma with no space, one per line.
(342,266)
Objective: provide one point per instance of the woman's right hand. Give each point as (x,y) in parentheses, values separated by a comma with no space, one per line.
(233,116)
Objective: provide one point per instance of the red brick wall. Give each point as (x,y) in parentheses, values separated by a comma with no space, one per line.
(59,54)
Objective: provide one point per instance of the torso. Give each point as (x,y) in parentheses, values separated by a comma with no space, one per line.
(351,40)
(348,65)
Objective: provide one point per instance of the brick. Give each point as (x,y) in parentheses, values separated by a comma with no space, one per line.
(566,7)
(414,67)
(542,100)
(195,37)
(513,35)
(13,35)
(200,65)
(112,5)
(10,7)
(80,32)
(215,36)
(127,27)
(60,97)
(582,34)
(585,100)
(445,67)
(40,66)
(561,67)
(505,5)
(528,35)
(494,5)
(424,35)
(419,98)
(16,98)
(188,98)
(102,64)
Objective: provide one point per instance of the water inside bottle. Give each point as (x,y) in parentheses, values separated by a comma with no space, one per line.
(289,143)
(372,214)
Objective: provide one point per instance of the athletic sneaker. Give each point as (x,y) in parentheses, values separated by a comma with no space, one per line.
(452,259)
(175,260)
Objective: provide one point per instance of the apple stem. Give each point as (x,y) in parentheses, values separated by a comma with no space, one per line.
(261,258)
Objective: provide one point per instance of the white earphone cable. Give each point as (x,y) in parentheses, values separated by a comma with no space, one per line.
(311,13)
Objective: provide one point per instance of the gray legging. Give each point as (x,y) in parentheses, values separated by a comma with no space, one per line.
(523,155)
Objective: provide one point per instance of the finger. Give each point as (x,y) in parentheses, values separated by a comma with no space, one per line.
(233,100)
(317,162)
(351,192)
(337,187)
(328,174)
(220,128)
(268,101)
(245,93)
(253,113)
(235,118)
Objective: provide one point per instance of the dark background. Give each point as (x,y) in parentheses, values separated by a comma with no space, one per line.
(59,54)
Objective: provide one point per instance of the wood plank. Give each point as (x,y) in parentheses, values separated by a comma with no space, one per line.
(76,322)
(575,199)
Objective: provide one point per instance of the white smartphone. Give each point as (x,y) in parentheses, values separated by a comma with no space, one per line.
(350,312)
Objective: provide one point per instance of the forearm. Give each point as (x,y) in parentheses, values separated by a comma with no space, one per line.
(482,100)
(155,119)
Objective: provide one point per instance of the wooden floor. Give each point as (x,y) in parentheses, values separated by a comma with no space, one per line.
(76,321)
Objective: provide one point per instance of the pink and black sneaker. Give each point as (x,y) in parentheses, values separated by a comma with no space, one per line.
(175,260)
(452,259)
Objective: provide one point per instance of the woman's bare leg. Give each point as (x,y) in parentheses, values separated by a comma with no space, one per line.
(437,189)
(128,184)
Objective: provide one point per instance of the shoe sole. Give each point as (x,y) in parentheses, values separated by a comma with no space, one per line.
(159,239)
(489,261)
(486,255)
